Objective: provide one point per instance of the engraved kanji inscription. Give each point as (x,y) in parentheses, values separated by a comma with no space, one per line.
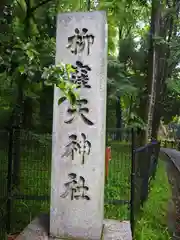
(80,76)
(76,188)
(81,110)
(80,41)
(80,146)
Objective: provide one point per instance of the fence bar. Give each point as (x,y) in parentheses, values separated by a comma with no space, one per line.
(9,181)
(141,149)
(16,156)
(132,182)
(31,197)
(117,202)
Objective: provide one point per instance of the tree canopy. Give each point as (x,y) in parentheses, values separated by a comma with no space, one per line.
(143,62)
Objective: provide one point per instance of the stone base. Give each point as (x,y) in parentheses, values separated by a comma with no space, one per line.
(116,230)
(38,229)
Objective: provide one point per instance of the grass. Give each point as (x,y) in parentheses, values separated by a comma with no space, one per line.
(118,186)
(35,180)
(152,223)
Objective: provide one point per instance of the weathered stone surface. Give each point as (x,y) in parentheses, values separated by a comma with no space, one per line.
(171,216)
(80,218)
(173,171)
(116,230)
(38,229)
(113,230)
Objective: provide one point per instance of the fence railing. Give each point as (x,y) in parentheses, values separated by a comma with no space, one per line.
(144,165)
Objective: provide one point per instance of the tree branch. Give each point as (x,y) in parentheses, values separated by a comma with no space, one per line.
(39,5)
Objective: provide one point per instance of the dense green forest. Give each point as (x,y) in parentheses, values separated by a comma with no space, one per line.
(143,62)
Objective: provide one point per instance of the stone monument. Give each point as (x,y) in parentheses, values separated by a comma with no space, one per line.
(78,157)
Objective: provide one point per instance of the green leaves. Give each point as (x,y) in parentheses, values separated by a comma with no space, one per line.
(119,81)
(136,122)
(61,100)
(72,97)
(60,76)
(57,74)
(21,69)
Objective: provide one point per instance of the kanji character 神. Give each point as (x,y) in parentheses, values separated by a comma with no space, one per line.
(81,147)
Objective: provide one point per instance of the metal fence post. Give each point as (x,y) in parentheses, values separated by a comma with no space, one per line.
(145,176)
(9,180)
(132,210)
(16,155)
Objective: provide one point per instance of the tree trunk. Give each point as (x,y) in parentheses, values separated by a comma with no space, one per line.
(153,64)
(147,101)
(156,121)
(168,29)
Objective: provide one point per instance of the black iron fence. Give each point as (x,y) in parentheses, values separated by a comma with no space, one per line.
(118,186)
(4,140)
(25,160)
(144,165)
(25,166)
